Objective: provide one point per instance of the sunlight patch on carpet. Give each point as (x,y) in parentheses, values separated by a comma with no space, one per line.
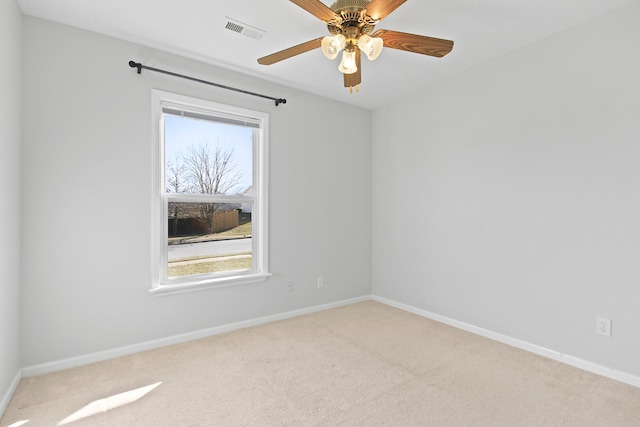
(111,402)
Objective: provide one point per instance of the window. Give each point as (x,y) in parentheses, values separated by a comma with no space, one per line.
(210,194)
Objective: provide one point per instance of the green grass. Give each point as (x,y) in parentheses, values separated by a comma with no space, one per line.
(243,230)
(210,266)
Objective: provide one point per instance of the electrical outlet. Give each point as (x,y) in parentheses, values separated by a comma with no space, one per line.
(320,282)
(603,326)
(290,286)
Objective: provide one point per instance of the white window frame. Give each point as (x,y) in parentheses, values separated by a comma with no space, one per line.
(161,284)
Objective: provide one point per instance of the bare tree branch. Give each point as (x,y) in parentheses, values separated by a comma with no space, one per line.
(207,171)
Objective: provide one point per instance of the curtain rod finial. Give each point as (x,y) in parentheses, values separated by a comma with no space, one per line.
(137,65)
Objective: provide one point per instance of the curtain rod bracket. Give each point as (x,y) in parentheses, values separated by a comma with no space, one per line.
(139,66)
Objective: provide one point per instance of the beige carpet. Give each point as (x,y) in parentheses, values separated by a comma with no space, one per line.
(362,365)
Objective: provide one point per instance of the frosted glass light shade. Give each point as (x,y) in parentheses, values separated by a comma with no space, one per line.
(348,63)
(370,46)
(331,46)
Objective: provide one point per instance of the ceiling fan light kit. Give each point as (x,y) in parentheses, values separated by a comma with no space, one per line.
(371,46)
(348,64)
(351,24)
(331,46)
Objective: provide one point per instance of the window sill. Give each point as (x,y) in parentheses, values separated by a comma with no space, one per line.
(179,288)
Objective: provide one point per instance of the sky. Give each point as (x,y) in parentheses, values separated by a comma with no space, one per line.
(181,132)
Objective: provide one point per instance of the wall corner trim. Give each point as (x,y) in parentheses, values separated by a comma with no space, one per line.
(576,362)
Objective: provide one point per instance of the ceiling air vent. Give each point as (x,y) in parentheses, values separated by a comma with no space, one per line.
(244,29)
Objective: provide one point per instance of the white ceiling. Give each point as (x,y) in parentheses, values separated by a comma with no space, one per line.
(481,29)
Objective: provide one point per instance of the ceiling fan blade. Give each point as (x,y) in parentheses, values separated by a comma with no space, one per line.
(354,79)
(317,9)
(292,51)
(378,9)
(415,43)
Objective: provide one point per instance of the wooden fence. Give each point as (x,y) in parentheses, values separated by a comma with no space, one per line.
(222,221)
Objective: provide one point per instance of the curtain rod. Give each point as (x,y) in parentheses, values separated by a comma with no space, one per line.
(139,66)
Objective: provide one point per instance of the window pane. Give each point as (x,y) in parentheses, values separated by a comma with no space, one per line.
(209,159)
(206,238)
(205,157)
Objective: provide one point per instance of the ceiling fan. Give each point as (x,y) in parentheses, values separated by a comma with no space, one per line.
(351,24)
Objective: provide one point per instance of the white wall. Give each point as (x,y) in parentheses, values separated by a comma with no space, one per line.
(10,146)
(508,197)
(87,191)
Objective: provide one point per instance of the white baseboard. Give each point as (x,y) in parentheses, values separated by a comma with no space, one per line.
(9,393)
(585,365)
(86,359)
(176,339)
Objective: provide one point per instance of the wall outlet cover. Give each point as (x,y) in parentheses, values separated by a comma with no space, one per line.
(603,326)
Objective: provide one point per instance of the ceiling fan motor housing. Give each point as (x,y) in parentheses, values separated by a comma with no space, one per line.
(353,21)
